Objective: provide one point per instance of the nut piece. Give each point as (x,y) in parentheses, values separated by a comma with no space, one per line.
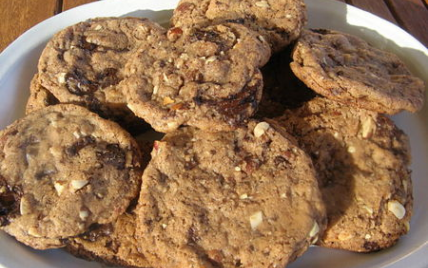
(260,129)
(59,187)
(24,206)
(397,209)
(167,100)
(61,78)
(256,219)
(345,236)
(368,209)
(83,214)
(351,149)
(78,184)
(263,4)
(243,196)
(315,230)
(368,127)
(33,232)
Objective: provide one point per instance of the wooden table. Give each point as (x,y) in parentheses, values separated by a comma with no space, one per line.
(19,15)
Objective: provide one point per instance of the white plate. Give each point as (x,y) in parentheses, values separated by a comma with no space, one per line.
(18,64)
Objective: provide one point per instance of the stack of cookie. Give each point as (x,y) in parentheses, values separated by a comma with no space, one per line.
(263,155)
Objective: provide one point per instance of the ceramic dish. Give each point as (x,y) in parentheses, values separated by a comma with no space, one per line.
(18,64)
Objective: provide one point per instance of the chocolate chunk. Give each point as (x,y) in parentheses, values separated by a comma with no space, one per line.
(113,155)
(74,149)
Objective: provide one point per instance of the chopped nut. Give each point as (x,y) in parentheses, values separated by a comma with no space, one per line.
(336,134)
(367,128)
(237,169)
(83,214)
(368,209)
(404,182)
(288,16)
(184,56)
(165,78)
(397,209)
(263,4)
(407,225)
(172,124)
(61,78)
(261,38)
(345,236)
(98,27)
(210,59)
(163,225)
(155,90)
(351,149)
(256,219)
(167,100)
(78,184)
(283,195)
(76,134)
(315,230)
(243,196)
(33,232)
(24,206)
(260,129)
(59,187)
(367,236)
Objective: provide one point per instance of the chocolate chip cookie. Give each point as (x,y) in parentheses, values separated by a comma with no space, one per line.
(63,169)
(84,64)
(362,162)
(114,243)
(205,77)
(277,21)
(244,198)
(347,69)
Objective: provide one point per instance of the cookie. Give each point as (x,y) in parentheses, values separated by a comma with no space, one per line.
(277,21)
(84,64)
(281,88)
(114,243)
(39,97)
(362,161)
(345,68)
(63,169)
(203,77)
(245,198)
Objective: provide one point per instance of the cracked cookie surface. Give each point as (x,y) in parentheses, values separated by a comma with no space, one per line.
(84,64)
(204,77)
(63,169)
(347,69)
(245,198)
(277,21)
(362,162)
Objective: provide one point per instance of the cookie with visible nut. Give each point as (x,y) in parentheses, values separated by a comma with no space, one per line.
(277,21)
(63,169)
(206,77)
(244,198)
(84,64)
(114,243)
(362,160)
(347,69)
